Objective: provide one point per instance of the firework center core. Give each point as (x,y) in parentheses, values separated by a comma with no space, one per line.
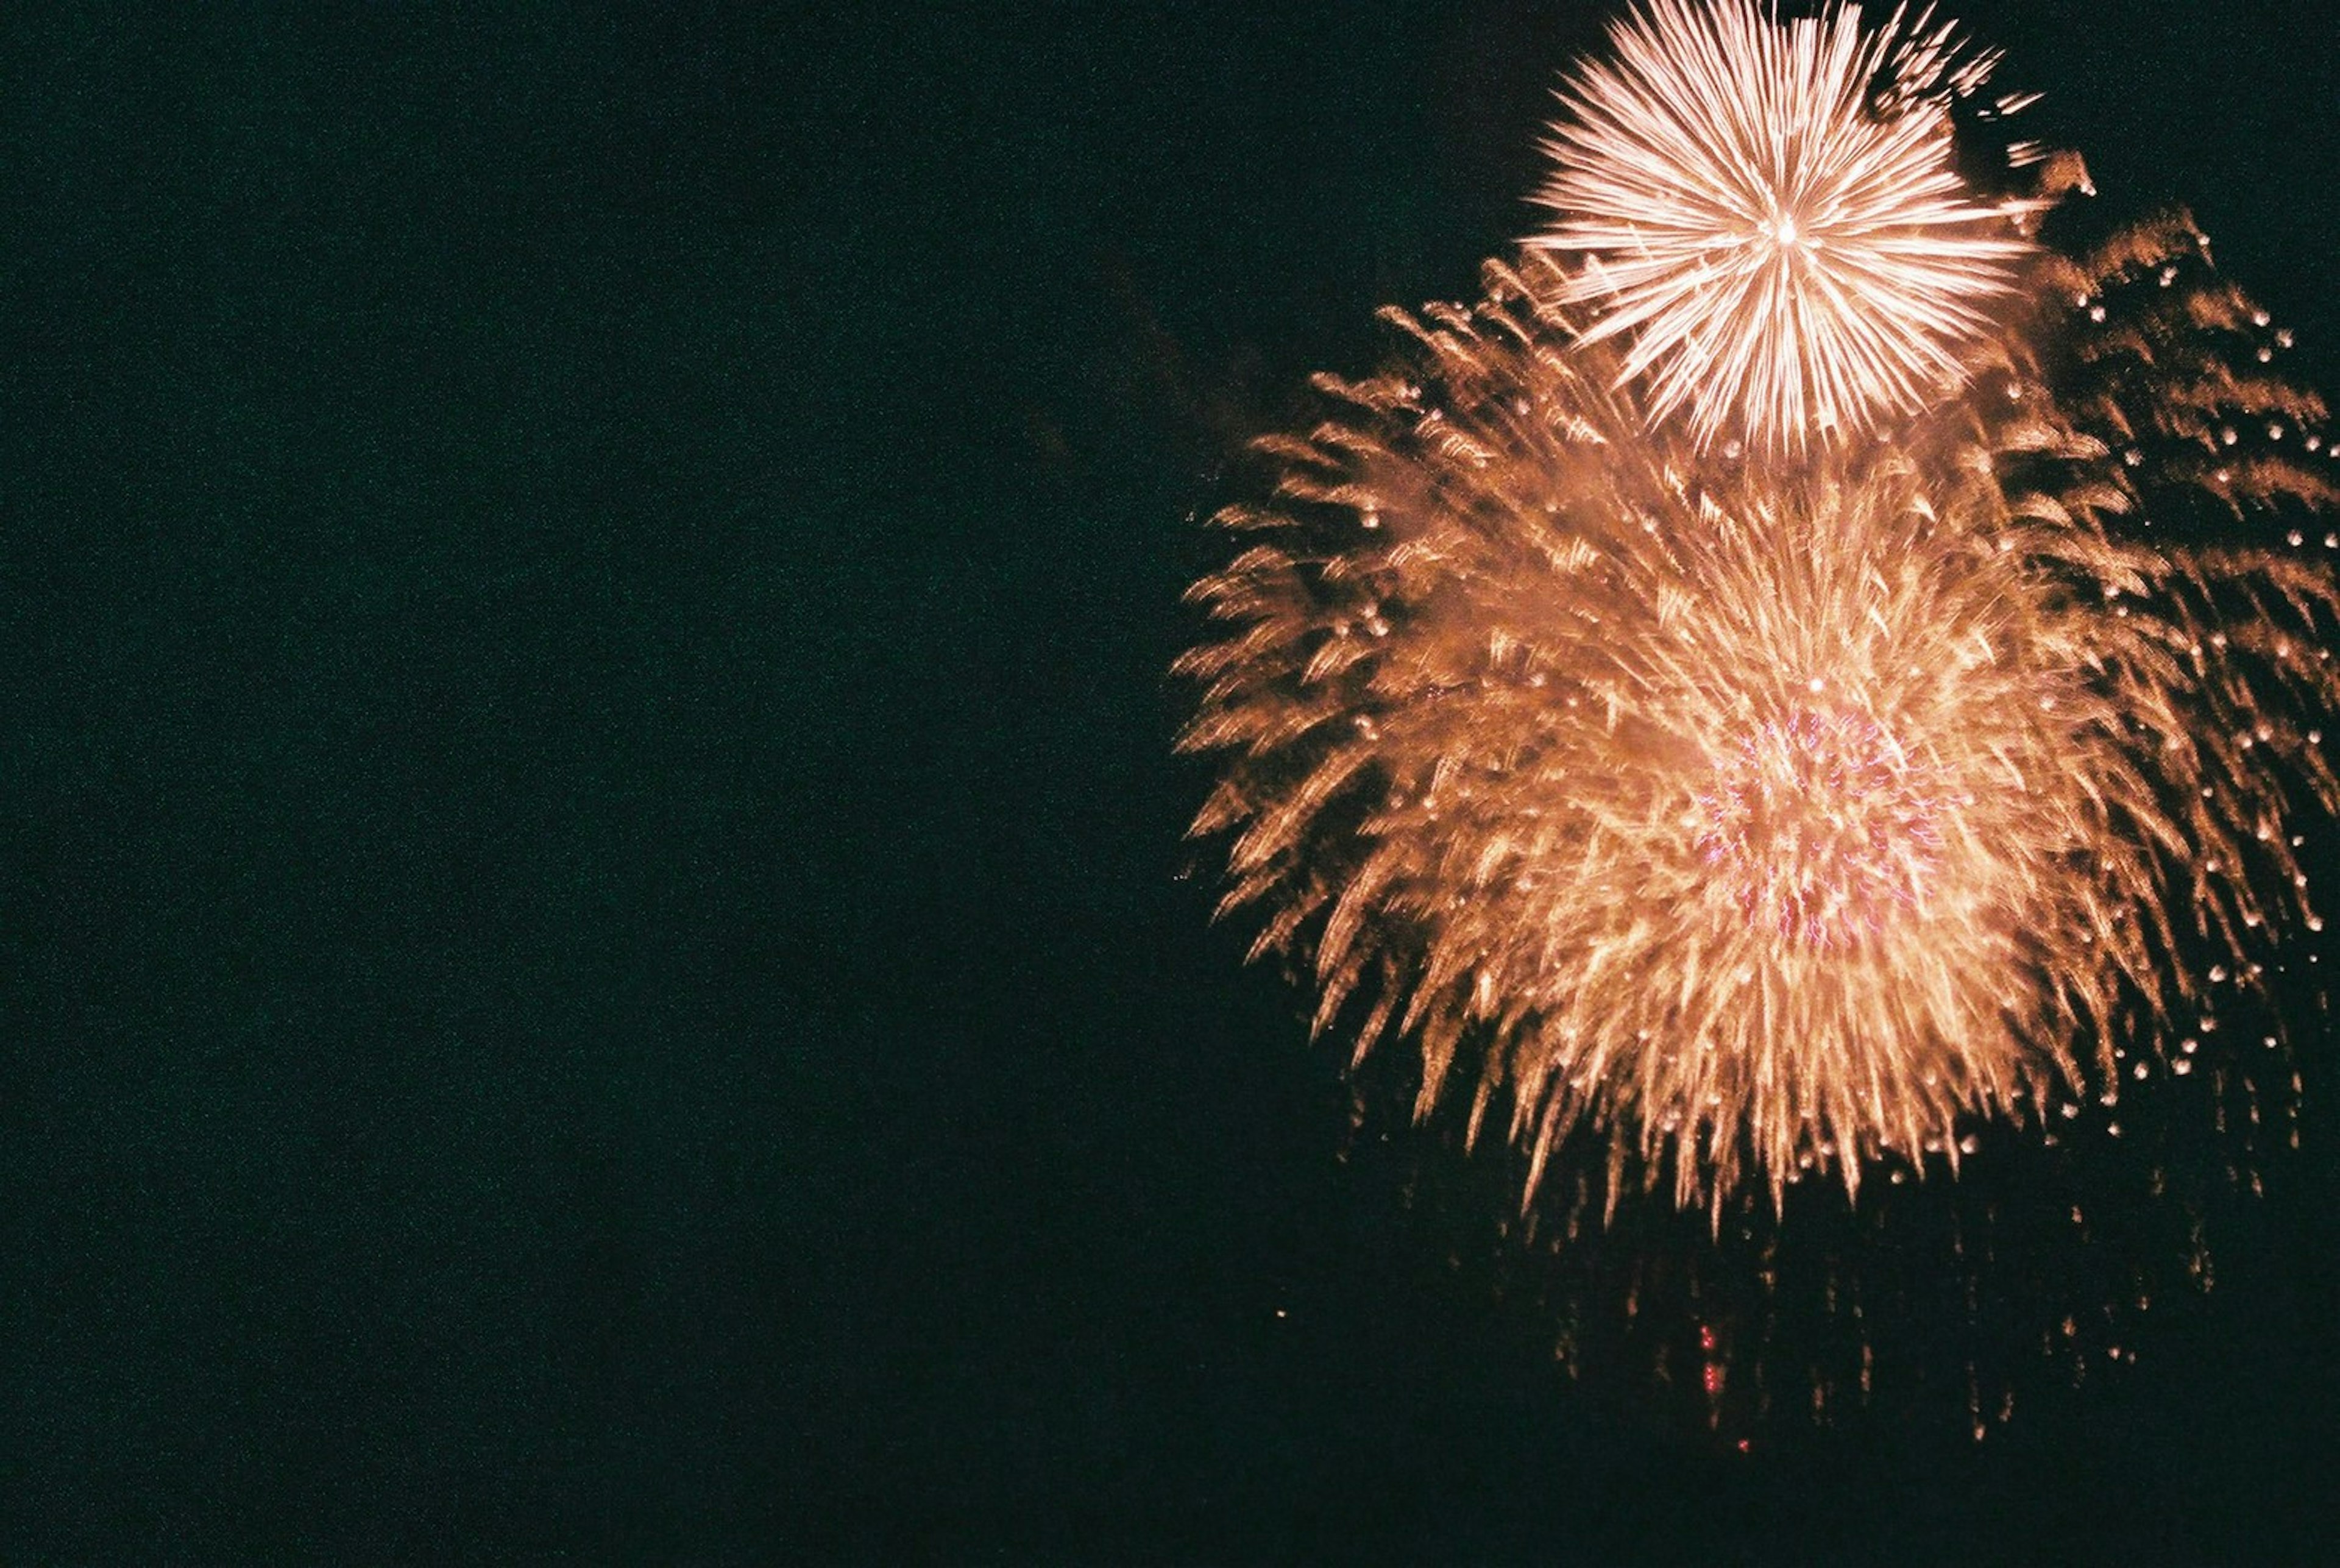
(1820,826)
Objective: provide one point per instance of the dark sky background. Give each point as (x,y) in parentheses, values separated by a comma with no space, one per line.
(596,956)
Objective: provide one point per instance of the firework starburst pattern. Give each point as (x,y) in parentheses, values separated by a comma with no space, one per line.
(1770,218)
(1733,710)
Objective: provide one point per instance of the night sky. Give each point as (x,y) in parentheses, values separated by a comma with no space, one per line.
(597,957)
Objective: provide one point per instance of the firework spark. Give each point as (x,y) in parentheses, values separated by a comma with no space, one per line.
(1755,817)
(1771,220)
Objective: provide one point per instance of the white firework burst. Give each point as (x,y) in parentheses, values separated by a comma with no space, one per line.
(1768,214)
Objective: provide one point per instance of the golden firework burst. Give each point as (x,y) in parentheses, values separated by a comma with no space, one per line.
(1760,816)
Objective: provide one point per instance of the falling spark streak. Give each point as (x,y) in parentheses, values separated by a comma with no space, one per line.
(1771,220)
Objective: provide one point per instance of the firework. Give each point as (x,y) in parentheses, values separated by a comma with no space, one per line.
(1754,817)
(1771,221)
(1808,673)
